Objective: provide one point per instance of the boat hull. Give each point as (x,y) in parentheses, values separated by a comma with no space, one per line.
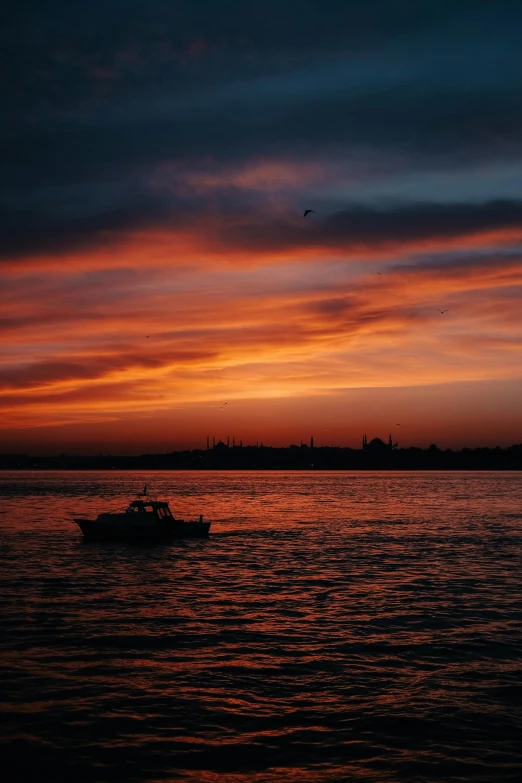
(102,531)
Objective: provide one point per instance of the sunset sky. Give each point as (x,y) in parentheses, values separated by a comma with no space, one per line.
(157,160)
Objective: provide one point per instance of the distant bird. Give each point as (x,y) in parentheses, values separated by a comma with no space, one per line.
(379,273)
(147,336)
(443,311)
(397,425)
(307,211)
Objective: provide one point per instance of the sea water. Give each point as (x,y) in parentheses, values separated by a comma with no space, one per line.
(334,627)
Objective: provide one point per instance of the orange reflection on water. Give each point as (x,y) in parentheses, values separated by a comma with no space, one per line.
(332,625)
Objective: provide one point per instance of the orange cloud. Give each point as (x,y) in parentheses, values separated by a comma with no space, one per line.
(246,241)
(164,323)
(256,343)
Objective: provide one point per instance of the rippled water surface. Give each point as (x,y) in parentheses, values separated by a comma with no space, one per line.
(334,627)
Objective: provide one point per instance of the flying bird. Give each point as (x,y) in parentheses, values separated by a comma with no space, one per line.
(443,311)
(307,211)
(147,336)
(379,273)
(397,425)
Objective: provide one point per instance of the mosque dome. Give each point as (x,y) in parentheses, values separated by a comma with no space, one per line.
(377,443)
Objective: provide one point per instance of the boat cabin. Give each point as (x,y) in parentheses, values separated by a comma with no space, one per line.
(158,508)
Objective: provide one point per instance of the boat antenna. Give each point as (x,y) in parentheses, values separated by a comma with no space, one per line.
(144,490)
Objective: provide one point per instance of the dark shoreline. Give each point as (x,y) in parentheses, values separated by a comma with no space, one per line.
(222,457)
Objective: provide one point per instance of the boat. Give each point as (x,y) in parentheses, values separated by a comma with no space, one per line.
(145,519)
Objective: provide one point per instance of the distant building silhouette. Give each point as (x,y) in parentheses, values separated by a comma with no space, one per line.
(377,445)
(376,455)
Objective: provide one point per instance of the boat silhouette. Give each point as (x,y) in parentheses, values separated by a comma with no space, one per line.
(145,519)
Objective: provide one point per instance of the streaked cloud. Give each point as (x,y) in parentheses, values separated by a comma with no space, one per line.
(154,254)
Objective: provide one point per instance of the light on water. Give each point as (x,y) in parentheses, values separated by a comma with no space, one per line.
(334,626)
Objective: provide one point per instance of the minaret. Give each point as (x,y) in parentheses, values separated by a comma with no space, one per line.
(233,442)
(390,444)
(312,442)
(228,440)
(208,443)
(240,444)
